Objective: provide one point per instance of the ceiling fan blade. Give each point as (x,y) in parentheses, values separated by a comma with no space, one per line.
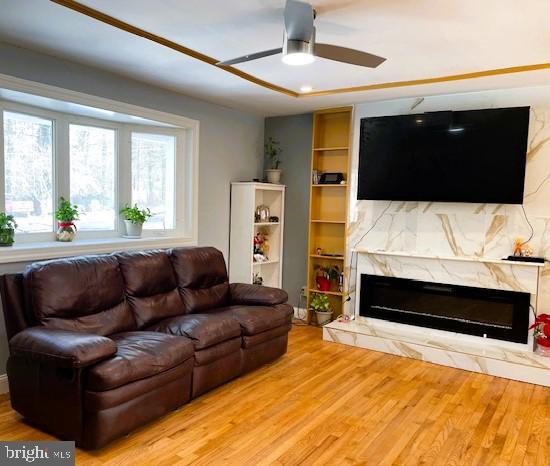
(250,57)
(345,55)
(299,18)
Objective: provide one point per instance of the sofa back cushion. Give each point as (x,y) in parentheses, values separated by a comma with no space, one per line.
(82,294)
(150,286)
(201,277)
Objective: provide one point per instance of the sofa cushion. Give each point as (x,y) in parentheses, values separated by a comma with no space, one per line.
(150,286)
(258,319)
(249,341)
(139,355)
(202,278)
(219,351)
(83,294)
(204,330)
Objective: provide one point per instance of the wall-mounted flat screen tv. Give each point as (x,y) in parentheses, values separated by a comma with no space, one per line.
(465,156)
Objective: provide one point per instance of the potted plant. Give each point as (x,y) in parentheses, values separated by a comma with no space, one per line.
(134,218)
(66,214)
(7,229)
(541,332)
(272,150)
(321,305)
(326,274)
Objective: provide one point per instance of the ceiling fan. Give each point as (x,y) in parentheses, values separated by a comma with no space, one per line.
(299,47)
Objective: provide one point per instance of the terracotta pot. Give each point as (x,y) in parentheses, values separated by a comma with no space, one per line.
(323,283)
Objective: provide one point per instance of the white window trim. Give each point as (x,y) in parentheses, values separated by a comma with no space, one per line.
(186,203)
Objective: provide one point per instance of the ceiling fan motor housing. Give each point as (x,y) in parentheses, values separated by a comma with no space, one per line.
(298,46)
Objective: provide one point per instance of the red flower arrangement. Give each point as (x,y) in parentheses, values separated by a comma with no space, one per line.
(542,332)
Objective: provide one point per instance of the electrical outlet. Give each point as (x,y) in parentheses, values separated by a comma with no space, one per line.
(303,291)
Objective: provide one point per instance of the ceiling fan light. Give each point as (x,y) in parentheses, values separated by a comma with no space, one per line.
(298,58)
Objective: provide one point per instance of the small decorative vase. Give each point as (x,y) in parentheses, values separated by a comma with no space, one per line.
(133,230)
(323,317)
(323,283)
(543,346)
(66,232)
(7,236)
(273,176)
(262,214)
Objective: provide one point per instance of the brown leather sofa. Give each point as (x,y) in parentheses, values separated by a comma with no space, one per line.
(100,345)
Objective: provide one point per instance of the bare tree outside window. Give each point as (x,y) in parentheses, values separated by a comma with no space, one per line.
(28,164)
(92,161)
(153,177)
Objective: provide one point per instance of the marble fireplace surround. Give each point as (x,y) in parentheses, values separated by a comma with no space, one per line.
(495,357)
(457,234)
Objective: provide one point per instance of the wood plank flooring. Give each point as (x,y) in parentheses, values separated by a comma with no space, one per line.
(325,403)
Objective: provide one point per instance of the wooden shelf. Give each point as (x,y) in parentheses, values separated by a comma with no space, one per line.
(332,293)
(264,224)
(321,256)
(329,149)
(329,221)
(331,142)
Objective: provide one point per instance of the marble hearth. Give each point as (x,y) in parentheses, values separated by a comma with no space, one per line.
(494,357)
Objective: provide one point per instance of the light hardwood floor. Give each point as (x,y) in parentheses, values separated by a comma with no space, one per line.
(325,403)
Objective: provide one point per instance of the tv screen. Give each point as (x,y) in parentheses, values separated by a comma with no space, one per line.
(466,156)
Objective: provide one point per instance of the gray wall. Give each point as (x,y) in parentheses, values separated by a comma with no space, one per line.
(231,141)
(294,134)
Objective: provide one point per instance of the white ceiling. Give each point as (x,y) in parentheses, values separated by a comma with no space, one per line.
(420,38)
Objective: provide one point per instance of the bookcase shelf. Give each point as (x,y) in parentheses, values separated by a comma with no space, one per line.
(328,208)
(245,198)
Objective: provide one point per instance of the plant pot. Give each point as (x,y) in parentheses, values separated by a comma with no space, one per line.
(273,176)
(323,283)
(66,232)
(7,236)
(133,230)
(323,317)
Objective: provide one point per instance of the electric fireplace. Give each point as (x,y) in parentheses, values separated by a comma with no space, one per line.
(498,314)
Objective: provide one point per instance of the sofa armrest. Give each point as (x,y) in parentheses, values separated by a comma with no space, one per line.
(256,295)
(61,348)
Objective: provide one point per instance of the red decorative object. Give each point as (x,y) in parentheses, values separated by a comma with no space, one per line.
(323,283)
(542,333)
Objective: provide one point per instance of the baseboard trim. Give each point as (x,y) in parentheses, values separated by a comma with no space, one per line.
(4,387)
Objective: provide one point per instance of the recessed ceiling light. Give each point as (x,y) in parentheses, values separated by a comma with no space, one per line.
(306,89)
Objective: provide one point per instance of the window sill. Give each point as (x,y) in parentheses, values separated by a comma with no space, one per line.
(24,252)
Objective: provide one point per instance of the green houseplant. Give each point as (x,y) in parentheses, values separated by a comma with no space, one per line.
(66,214)
(134,218)
(322,307)
(272,151)
(7,229)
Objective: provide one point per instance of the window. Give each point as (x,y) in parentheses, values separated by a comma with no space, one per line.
(153,177)
(100,159)
(92,162)
(28,168)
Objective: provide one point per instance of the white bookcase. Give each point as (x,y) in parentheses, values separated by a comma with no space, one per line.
(245,198)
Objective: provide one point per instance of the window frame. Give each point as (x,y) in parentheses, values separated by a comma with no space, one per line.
(184,129)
